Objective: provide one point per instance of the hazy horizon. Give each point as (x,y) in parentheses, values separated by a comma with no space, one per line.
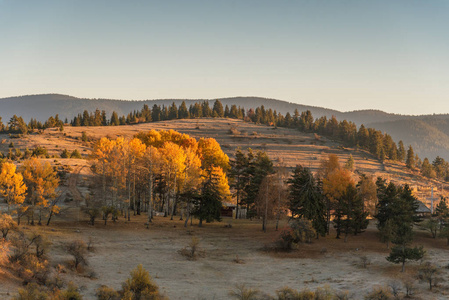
(342,55)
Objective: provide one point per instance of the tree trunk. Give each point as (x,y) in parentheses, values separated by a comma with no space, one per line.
(49,217)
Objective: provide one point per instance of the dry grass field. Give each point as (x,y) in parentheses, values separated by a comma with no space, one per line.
(121,246)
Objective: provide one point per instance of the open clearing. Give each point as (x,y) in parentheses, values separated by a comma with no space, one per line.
(120,247)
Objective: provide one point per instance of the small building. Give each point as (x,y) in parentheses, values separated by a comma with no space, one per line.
(423,210)
(229,210)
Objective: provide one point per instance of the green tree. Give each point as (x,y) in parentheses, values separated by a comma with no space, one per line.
(402,207)
(306,199)
(114,119)
(183,113)
(350,163)
(410,162)
(218,109)
(401,151)
(259,166)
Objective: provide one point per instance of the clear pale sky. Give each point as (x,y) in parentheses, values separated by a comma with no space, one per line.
(346,55)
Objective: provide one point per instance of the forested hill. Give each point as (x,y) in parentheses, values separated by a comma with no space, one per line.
(41,107)
(428,134)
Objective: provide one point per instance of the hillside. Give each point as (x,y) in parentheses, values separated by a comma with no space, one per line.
(425,136)
(121,245)
(428,134)
(287,147)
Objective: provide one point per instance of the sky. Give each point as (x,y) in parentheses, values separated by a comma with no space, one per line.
(344,55)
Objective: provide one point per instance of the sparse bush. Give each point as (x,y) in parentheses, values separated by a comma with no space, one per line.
(238,260)
(379,293)
(92,212)
(395,287)
(90,245)
(6,225)
(303,231)
(140,286)
(31,269)
(285,240)
(431,225)
(41,244)
(4,252)
(65,154)
(428,272)
(287,293)
(71,293)
(409,285)
(32,291)
(78,250)
(233,130)
(75,154)
(84,137)
(106,293)
(192,251)
(241,292)
(39,151)
(365,261)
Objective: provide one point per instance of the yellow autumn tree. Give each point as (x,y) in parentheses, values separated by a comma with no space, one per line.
(211,155)
(174,166)
(42,182)
(102,157)
(12,187)
(135,151)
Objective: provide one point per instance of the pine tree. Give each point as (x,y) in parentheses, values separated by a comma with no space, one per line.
(114,119)
(306,200)
(218,109)
(410,162)
(183,113)
(401,151)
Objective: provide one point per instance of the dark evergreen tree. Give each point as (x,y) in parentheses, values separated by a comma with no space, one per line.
(183,113)
(173,112)
(156,113)
(410,162)
(218,109)
(306,199)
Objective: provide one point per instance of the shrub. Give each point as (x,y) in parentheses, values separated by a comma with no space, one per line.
(31,292)
(241,292)
(140,286)
(285,240)
(4,252)
(75,154)
(78,250)
(71,293)
(6,225)
(84,137)
(303,231)
(299,231)
(65,154)
(192,251)
(379,293)
(428,272)
(39,151)
(106,293)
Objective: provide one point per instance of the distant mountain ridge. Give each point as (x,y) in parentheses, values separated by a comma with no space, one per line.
(428,134)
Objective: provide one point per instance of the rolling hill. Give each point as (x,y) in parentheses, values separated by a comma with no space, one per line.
(428,134)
